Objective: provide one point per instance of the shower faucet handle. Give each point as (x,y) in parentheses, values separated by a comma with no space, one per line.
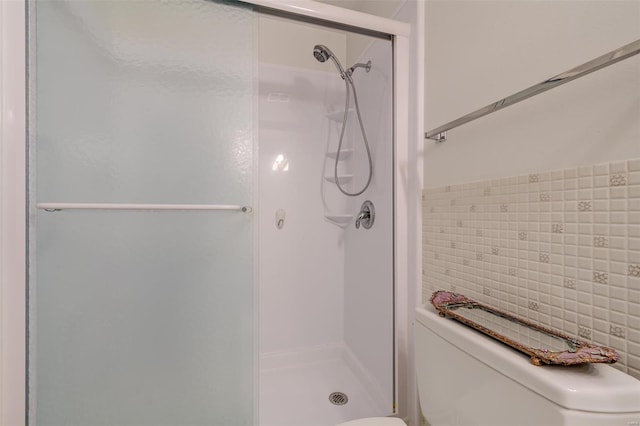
(366,216)
(362,216)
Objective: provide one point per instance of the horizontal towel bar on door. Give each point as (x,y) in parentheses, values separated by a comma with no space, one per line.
(54,207)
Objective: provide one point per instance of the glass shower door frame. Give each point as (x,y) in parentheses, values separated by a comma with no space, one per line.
(13,232)
(13,81)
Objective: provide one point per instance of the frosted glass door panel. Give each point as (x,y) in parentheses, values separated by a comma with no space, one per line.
(141,317)
(143,101)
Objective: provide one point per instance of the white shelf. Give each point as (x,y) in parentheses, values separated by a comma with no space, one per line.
(339,218)
(338,116)
(344,154)
(341,178)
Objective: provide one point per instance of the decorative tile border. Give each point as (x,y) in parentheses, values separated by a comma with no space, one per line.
(561,248)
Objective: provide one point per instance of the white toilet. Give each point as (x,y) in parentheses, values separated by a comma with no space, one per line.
(468,379)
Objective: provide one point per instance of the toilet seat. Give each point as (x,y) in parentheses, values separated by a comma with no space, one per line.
(375,421)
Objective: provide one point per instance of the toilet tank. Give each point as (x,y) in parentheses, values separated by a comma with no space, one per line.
(467,378)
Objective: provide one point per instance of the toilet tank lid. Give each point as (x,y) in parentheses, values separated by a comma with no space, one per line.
(588,387)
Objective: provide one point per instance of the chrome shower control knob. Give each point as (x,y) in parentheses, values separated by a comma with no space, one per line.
(366,216)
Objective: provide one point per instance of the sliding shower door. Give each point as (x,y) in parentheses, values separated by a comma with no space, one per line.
(141,304)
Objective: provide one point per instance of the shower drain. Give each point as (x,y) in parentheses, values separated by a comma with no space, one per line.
(338,398)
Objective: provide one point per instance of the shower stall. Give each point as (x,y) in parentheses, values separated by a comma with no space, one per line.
(195,174)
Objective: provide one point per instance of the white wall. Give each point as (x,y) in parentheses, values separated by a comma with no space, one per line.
(301,265)
(480,51)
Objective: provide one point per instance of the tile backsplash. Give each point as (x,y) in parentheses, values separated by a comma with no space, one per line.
(561,248)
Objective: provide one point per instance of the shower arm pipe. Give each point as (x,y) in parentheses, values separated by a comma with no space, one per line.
(439,133)
(54,207)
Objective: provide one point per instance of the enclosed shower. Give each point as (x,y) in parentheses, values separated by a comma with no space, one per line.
(195,181)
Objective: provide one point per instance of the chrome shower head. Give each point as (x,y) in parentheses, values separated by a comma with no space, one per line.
(322,53)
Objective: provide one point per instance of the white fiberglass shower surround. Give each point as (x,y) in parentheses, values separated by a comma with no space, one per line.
(184,255)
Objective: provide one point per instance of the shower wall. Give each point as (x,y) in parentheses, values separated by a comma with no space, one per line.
(301,268)
(314,273)
(301,263)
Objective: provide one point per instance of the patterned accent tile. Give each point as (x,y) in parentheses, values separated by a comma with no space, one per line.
(570,283)
(616,330)
(561,248)
(600,277)
(619,179)
(584,332)
(584,206)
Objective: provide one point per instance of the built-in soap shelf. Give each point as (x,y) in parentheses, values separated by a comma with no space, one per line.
(344,154)
(341,178)
(340,219)
(338,115)
(338,216)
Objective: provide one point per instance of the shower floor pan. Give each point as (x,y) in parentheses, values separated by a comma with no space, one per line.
(300,395)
